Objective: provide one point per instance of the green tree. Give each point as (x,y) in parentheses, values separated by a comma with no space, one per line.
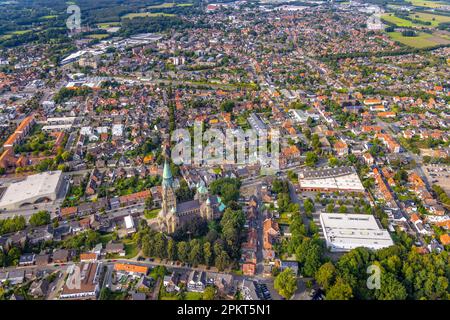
(390,289)
(333,162)
(209,293)
(325,275)
(339,291)
(222,261)
(308,204)
(207,253)
(309,255)
(13,256)
(286,283)
(196,254)
(2,259)
(160,245)
(183,251)
(227,106)
(171,249)
(149,202)
(40,218)
(311,159)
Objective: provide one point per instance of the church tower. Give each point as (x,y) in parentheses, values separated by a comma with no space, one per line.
(169,199)
(167,216)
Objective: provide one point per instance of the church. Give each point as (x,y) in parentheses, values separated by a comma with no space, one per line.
(173,215)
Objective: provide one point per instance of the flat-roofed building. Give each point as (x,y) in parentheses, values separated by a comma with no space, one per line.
(302,116)
(344,232)
(256,123)
(60,120)
(82,282)
(37,188)
(57,127)
(341,179)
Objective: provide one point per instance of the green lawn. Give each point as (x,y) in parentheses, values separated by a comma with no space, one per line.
(152,213)
(147,14)
(428,17)
(48,17)
(284,219)
(426,3)
(106,25)
(389,17)
(105,238)
(98,36)
(169,298)
(19,32)
(421,41)
(169,5)
(131,249)
(193,296)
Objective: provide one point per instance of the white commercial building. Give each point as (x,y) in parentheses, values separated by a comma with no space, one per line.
(341,179)
(42,187)
(117,130)
(302,116)
(57,127)
(82,282)
(344,232)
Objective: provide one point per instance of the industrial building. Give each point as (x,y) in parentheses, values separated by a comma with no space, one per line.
(37,188)
(341,179)
(344,232)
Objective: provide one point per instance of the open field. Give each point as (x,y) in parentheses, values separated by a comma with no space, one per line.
(106,25)
(429,17)
(48,17)
(98,36)
(19,32)
(426,17)
(147,14)
(423,40)
(426,3)
(12,33)
(169,5)
(389,17)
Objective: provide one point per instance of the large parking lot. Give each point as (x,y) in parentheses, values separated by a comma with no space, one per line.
(438,174)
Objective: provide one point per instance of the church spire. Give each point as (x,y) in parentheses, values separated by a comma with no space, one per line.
(167,175)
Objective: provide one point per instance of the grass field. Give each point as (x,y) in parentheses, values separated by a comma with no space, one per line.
(106,25)
(104,239)
(152,213)
(423,40)
(147,14)
(169,5)
(19,32)
(193,296)
(426,3)
(48,17)
(389,17)
(428,17)
(131,249)
(98,36)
